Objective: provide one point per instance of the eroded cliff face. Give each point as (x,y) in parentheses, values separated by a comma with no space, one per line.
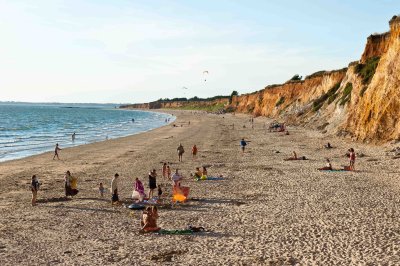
(361,101)
(222,102)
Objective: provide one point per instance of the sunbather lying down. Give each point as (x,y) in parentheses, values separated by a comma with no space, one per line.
(295,157)
(328,166)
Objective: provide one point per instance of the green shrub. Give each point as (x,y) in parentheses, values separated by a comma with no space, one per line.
(330,95)
(346,95)
(367,70)
(280,101)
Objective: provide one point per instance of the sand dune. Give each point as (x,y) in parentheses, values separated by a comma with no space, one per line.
(265,211)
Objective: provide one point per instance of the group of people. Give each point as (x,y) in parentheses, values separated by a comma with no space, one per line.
(181,151)
(352,159)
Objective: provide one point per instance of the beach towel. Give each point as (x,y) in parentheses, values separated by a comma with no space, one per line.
(175,232)
(136,206)
(180,193)
(212,178)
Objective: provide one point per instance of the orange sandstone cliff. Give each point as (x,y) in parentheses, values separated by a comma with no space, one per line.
(361,101)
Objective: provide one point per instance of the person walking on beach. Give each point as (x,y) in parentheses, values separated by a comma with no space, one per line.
(57,148)
(243,145)
(34,187)
(114,189)
(152,183)
(352,156)
(194,151)
(181,151)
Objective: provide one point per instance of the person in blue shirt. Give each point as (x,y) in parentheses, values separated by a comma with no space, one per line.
(243,145)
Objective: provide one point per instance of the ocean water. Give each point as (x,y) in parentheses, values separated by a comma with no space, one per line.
(28,129)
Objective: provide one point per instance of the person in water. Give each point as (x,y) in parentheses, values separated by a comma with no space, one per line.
(243,145)
(328,166)
(194,151)
(57,148)
(152,182)
(181,151)
(114,189)
(34,188)
(73,137)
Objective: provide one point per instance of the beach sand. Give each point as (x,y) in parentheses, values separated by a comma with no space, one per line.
(265,211)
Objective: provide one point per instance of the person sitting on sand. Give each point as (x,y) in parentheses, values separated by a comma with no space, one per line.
(57,148)
(198,173)
(149,220)
(194,151)
(243,145)
(328,146)
(352,156)
(181,151)
(114,189)
(176,178)
(101,190)
(327,167)
(204,173)
(139,188)
(34,188)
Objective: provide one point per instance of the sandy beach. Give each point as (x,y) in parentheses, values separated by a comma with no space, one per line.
(265,211)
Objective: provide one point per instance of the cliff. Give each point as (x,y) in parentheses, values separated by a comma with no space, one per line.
(207,105)
(361,101)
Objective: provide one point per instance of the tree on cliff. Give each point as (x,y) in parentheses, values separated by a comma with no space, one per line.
(296,77)
(234,93)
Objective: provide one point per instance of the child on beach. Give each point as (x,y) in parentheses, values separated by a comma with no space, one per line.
(101,190)
(159,191)
(243,145)
(168,172)
(164,171)
(194,151)
(114,189)
(34,188)
(352,156)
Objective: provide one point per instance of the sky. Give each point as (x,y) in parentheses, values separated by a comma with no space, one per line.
(133,51)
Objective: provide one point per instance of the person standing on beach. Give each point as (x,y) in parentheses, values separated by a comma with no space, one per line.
(194,151)
(152,182)
(57,148)
(164,171)
(34,187)
(243,145)
(70,184)
(168,172)
(181,151)
(114,189)
(352,156)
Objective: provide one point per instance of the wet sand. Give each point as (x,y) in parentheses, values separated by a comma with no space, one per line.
(266,211)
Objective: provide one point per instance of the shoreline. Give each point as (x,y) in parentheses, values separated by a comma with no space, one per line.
(72,145)
(264,211)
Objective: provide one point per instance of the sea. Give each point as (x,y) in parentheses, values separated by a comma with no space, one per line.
(27,129)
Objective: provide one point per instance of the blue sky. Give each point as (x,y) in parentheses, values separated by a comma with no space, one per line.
(138,51)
